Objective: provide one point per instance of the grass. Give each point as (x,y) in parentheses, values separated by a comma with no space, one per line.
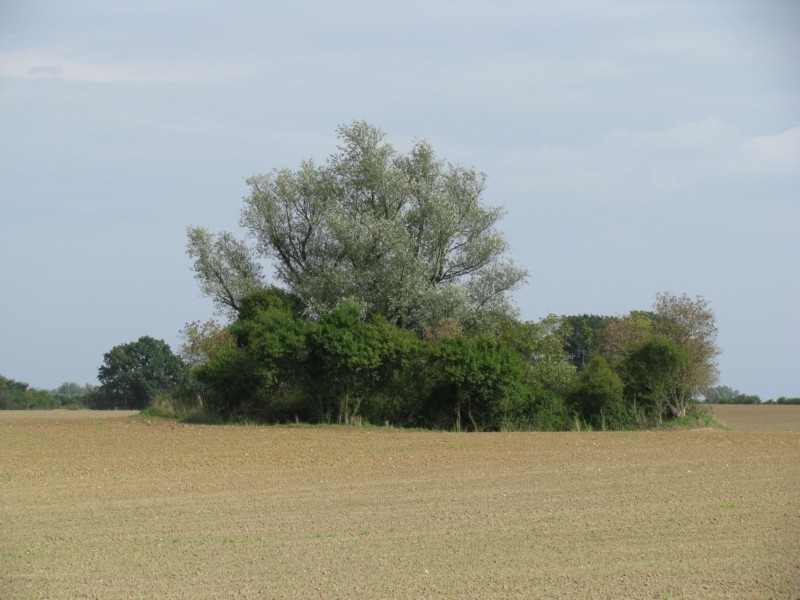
(692,422)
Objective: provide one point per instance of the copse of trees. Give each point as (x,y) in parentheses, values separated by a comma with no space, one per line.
(394,308)
(275,363)
(346,367)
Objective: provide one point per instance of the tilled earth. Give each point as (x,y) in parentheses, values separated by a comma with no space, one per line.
(148,508)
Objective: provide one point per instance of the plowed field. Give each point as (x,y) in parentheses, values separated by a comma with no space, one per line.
(146,508)
(754,417)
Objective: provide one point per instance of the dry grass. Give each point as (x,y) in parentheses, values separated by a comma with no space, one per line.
(131,507)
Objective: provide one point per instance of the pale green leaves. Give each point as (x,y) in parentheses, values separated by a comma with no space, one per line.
(403,236)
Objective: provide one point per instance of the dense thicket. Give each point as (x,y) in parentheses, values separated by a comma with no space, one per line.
(274,363)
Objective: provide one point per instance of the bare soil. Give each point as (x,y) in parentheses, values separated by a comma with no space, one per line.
(755,417)
(148,508)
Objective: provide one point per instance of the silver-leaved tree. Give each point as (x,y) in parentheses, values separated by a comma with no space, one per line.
(406,236)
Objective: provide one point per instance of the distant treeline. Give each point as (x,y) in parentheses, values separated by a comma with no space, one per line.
(722,394)
(15,395)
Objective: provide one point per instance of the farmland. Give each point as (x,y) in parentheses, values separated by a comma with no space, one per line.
(133,507)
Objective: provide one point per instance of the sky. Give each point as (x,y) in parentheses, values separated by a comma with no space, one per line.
(637,147)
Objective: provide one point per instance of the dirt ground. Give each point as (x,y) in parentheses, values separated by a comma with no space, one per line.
(147,508)
(754,417)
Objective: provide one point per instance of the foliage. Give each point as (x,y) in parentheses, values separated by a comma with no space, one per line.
(73,395)
(248,366)
(16,395)
(583,340)
(656,377)
(203,341)
(542,347)
(691,325)
(406,237)
(133,373)
(622,335)
(784,400)
(691,421)
(224,267)
(480,380)
(276,362)
(722,394)
(346,355)
(598,398)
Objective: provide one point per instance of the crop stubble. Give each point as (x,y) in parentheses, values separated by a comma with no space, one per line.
(136,507)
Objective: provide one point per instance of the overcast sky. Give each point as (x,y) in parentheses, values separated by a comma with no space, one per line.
(637,147)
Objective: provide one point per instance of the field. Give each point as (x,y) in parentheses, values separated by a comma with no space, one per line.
(130,507)
(751,417)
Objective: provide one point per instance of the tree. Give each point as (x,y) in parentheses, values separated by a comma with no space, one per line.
(132,374)
(659,377)
(17,395)
(622,335)
(403,236)
(541,345)
(72,394)
(722,394)
(583,342)
(598,396)
(248,366)
(224,267)
(347,354)
(480,379)
(691,324)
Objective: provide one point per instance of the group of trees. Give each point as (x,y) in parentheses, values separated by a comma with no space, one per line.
(394,307)
(16,395)
(722,394)
(275,363)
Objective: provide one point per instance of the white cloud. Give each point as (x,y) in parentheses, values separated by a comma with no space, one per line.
(705,162)
(51,64)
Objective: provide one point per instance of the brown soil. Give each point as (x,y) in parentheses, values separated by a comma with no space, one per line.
(138,508)
(755,417)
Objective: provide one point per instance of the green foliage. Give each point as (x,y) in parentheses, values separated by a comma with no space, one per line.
(784,400)
(655,377)
(402,236)
(691,421)
(598,398)
(15,395)
(722,394)
(276,363)
(253,370)
(346,356)
(176,403)
(73,395)
(480,381)
(584,340)
(541,345)
(132,374)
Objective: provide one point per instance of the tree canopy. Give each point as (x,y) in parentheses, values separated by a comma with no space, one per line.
(132,374)
(404,236)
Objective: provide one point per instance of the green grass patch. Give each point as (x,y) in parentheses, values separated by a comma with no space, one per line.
(692,422)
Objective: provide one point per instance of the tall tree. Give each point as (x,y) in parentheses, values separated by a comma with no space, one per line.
(691,324)
(132,374)
(403,236)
